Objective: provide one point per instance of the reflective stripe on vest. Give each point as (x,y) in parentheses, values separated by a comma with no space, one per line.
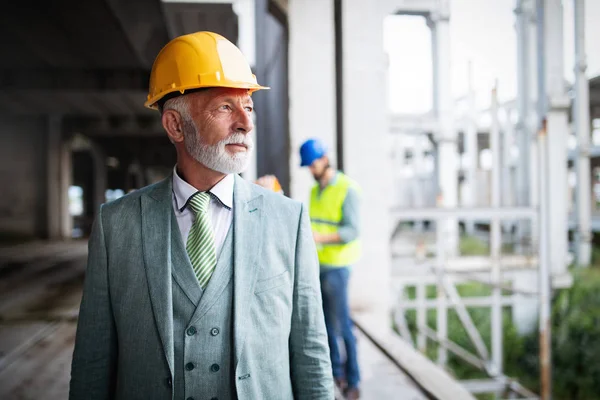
(326,216)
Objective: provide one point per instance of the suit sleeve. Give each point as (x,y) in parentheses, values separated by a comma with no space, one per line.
(93,370)
(309,350)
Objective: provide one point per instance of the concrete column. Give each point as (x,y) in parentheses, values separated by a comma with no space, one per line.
(246,13)
(312,84)
(100,176)
(134,170)
(447,136)
(58,180)
(251,173)
(53,178)
(581,117)
(556,106)
(66,179)
(366,154)
(245,10)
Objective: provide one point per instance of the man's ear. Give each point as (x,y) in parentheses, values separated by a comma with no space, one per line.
(171,121)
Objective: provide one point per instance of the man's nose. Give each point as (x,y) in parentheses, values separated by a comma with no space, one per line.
(244,122)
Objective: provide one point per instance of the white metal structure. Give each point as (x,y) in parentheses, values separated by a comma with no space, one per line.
(540,207)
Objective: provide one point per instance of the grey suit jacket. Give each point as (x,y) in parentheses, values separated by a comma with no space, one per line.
(124,342)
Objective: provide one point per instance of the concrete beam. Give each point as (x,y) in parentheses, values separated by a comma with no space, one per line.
(73,79)
(124,125)
(76,102)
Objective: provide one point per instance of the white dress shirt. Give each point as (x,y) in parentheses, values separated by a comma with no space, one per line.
(220,208)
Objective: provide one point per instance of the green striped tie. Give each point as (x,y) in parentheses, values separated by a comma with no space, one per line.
(201,242)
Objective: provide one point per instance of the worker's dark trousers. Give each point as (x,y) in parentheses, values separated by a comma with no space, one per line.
(334,289)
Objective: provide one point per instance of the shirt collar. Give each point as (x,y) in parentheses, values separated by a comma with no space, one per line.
(222,191)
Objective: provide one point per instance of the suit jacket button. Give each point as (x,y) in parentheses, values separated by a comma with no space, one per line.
(189,366)
(190,398)
(215,368)
(214,398)
(191,331)
(214,331)
(169,382)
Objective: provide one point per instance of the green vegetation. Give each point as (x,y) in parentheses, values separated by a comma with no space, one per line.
(575,335)
(472,246)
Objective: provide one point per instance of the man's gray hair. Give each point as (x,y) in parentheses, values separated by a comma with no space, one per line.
(179,104)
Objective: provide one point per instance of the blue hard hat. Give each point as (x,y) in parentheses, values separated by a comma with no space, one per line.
(310,151)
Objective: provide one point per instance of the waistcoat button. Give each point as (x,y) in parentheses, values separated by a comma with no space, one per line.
(191,331)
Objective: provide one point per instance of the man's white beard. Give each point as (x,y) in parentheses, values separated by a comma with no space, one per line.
(216,157)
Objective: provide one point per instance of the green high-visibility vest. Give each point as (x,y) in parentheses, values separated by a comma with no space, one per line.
(326,216)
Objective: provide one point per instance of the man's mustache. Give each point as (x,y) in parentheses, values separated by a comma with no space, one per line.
(239,138)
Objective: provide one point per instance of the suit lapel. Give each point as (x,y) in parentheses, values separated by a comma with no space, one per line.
(248,226)
(157,208)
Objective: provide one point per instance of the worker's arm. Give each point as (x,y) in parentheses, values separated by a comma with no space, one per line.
(349,228)
(93,371)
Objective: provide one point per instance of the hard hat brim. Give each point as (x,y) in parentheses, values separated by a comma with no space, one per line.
(152,103)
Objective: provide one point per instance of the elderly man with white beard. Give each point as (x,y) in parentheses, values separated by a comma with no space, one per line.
(202,286)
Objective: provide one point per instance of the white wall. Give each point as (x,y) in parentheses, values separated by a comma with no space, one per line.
(312,84)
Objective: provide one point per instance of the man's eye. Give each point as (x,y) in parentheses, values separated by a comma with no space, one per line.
(225,107)
(249,109)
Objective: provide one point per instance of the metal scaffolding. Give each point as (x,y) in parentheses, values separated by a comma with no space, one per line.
(540,210)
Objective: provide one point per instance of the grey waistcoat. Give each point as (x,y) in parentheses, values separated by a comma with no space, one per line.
(203,327)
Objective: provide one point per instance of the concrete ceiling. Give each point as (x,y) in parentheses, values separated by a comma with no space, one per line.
(183,18)
(93,57)
(78,57)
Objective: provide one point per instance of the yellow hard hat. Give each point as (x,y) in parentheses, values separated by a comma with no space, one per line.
(199,60)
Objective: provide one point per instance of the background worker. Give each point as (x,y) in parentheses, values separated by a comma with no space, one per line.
(270,182)
(334,214)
